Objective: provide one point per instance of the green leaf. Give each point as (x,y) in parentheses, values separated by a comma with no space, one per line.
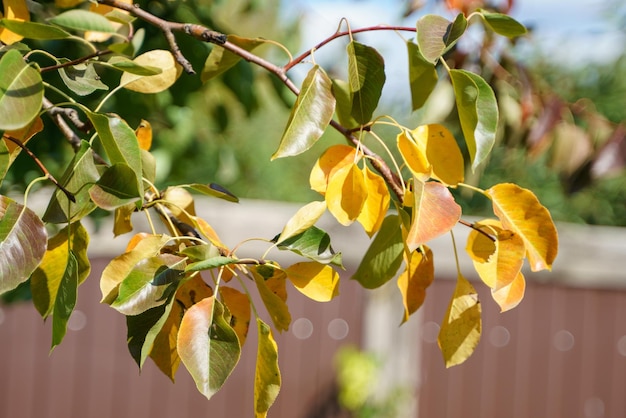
(120,143)
(207,345)
(220,60)
(313,244)
(47,278)
(200,252)
(271,284)
(267,378)
(214,190)
(384,256)
(130,66)
(210,263)
(461,327)
(81,79)
(5,159)
(148,284)
(116,188)
(80,173)
(21,91)
(343,107)
(65,300)
(23,240)
(309,116)
(83,20)
(422,76)
(455,31)
(503,24)
(436,35)
(478,113)
(366,76)
(33,30)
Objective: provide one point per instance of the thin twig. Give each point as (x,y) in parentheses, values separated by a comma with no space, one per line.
(475,228)
(76,61)
(43,168)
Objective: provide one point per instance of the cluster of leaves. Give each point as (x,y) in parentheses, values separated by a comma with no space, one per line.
(184,293)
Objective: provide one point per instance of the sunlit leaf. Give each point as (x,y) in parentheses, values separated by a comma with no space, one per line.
(32,30)
(413,281)
(503,24)
(267,378)
(442,152)
(376,203)
(383,257)
(309,116)
(121,266)
(23,240)
(478,113)
(366,77)
(65,300)
(115,188)
(271,285)
(519,210)
(422,76)
(314,244)
(143,132)
(14,11)
(303,219)
(210,263)
(346,194)
(46,279)
(214,190)
(333,159)
(220,60)
(432,31)
(82,79)
(130,66)
(319,282)
(21,91)
(461,326)
(170,71)
(238,305)
(207,345)
(434,213)
(509,296)
(414,155)
(83,20)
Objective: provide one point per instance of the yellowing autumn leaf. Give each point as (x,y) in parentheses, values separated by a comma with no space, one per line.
(498,261)
(376,203)
(170,71)
(519,210)
(509,296)
(413,281)
(304,218)
(267,378)
(319,282)
(414,155)
(442,152)
(346,194)
(333,159)
(461,326)
(13,10)
(434,213)
(238,305)
(144,135)
(270,282)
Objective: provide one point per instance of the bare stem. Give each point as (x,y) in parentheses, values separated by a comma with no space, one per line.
(475,228)
(76,61)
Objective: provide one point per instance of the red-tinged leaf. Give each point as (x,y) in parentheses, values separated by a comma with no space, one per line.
(319,282)
(422,76)
(267,379)
(304,218)
(442,152)
(333,159)
(23,240)
(207,345)
(346,194)
(310,115)
(509,296)
(238,305)
(270,282)
(415,279)
(461,326)
(434,213)
(519,210)
(376,204)
(366,77)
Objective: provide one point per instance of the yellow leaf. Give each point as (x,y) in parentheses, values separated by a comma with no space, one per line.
(144,134)
(442,151)
(319,282)
(461,327)
(267,379)
(414,155)
(497,262)
(520,211)
(122,223)
(434,213)
(270,282)
(509,296)
(14,10)
(304,218)
(413,281)
(346,194)
(164,352)
(333,159)
(376,204)
(159,58)
(66,4)
(208,231)
(238,305)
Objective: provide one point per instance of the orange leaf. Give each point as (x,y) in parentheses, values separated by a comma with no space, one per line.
(346,194)
(238,305)
(508,297)
(333,159)
(376,204)
(414,155)
(442,151)
(14,10)
(434,213)
(520,211)
(23,134)
(144,135)
(413,281)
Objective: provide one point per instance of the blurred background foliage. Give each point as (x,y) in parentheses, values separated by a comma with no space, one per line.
(558,122)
